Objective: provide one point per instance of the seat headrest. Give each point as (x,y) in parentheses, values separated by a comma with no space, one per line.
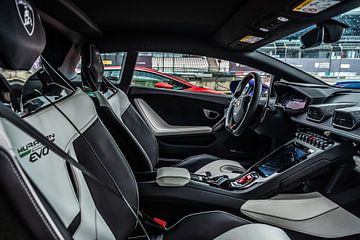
(92,65)
(22,36)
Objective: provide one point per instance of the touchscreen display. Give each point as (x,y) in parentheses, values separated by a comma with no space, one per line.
(285,158)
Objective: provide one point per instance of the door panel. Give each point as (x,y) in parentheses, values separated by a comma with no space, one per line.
(181,108)
(161,128)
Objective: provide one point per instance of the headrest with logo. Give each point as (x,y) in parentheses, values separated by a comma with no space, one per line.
(91,65)
(22,37)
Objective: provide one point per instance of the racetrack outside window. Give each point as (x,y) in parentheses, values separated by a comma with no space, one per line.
(112,65)
(186,72)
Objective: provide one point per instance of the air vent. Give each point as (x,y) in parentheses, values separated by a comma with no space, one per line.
(322,112)
(315,114)
(344,120)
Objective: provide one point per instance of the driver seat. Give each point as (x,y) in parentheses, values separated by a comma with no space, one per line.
(131,132)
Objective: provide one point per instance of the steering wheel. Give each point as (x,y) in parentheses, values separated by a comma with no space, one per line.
(244,103)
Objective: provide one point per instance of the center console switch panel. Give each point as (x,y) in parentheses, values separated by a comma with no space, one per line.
(315,140)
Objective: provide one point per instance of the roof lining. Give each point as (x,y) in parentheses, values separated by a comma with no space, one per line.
(237,22)
(75,18)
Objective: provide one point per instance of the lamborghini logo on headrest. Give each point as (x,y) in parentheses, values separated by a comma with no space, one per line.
(26,14)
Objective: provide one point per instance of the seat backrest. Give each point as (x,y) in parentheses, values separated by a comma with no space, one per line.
(128,128)
(24,214)
(85,209)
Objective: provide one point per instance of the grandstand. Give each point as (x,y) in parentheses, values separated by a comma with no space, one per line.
(180,64)
(172,63)
(189,64)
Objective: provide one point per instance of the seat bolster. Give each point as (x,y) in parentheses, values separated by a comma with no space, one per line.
(254,232)
(203,226)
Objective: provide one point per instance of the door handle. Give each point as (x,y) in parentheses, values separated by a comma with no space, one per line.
(211,114)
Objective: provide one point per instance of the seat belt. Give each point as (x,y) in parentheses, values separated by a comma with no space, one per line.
(12,117)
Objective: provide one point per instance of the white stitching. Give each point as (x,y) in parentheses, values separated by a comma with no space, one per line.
(207,212)
(31,198)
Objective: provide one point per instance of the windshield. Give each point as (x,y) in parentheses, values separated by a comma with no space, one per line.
(337,64)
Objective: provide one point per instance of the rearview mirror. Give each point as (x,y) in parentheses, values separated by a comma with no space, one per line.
(163,85)
(329,31)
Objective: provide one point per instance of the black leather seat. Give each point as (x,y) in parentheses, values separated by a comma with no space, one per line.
(52,199)
(133,135)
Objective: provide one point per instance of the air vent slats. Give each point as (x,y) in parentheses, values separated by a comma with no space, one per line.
(347,118)
(321,112)
(315,114)
(344,120)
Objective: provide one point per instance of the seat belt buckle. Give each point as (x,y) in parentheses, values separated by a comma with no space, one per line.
(154,222)
(160,222)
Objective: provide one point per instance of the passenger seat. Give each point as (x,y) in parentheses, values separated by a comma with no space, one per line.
(131,132)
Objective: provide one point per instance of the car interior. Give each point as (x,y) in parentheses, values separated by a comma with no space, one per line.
(87,157)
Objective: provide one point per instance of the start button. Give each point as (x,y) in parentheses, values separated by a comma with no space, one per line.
(245,180)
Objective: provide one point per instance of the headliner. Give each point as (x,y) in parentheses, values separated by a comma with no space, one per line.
(221,22)
(199,17)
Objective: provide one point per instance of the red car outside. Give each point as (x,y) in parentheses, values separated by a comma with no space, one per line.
(148,77)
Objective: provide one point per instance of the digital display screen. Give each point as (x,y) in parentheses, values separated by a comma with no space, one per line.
(296,103)
(285,158)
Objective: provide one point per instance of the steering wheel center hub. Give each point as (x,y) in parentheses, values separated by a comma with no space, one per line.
(240,106)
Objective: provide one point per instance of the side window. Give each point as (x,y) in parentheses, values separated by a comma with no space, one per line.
(112,65)
(192,73)
(152,79)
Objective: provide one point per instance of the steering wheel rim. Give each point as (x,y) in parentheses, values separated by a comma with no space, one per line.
(243,106)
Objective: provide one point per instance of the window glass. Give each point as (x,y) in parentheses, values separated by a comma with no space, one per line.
(189,73)
(112,65)
(145,78)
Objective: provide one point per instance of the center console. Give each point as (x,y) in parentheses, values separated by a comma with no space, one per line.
(303,157)
(307,155)
(279,161)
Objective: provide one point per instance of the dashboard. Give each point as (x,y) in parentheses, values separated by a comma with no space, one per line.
(321,107)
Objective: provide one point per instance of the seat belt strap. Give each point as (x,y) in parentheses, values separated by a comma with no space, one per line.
(8,114)
(12,117)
